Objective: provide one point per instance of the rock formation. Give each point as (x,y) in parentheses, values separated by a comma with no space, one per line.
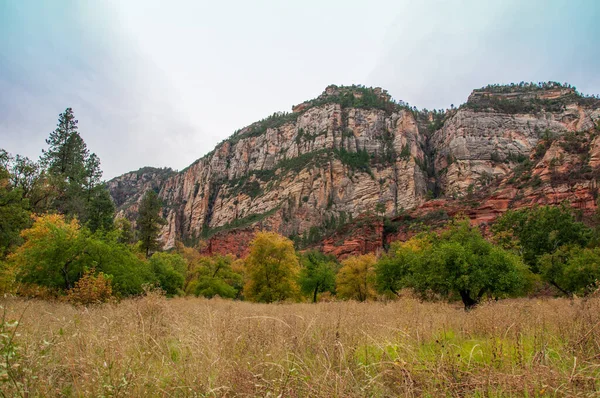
(353,153)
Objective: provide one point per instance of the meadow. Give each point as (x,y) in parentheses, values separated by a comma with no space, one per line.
(154,346)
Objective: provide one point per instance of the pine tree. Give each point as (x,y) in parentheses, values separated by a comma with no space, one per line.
(67,152)
(100,210)
(149,222)
(75,175)
(125,236)
(92,175)
(64,161)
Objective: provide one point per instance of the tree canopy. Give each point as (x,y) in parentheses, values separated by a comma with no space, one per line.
(461,262)
(541,230)
(272,269)
(356,277)
(317,274)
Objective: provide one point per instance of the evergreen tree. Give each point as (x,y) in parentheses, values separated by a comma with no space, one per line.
(75,174)
(64,160)
(100,210)
(67,153)
(125,235)
(149,222)
(92,175)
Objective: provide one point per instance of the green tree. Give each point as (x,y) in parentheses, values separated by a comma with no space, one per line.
(393,267)
(66,152)
(355,278)
(214,276)
(65,161)
(73,172)
(51,252)
(92,175)
(100,210)
(104,253)
(169,270)
(125,231)
(14,214)
(572,269)
(272,269)
(542,230)
(25,175)
(461,262)
(317,274)
(56,253)
(33,182)
(149,222)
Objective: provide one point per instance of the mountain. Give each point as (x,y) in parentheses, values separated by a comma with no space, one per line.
(352,168)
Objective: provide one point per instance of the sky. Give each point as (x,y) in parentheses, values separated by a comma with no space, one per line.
(160,83)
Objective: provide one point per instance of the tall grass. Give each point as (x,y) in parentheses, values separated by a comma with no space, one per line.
(152,346)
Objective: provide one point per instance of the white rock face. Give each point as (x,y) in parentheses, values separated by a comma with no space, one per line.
(330,161)
(475,144)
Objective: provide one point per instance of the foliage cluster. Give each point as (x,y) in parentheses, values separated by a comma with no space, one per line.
(91,288)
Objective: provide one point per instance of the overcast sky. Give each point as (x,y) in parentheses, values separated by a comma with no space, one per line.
(159,83)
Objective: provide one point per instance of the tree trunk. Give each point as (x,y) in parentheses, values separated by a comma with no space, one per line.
(563,291)
(315,293)
(467,300)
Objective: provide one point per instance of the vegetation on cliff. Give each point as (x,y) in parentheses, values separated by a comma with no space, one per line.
(530,98)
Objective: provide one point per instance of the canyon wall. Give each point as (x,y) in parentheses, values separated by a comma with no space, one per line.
(353,152)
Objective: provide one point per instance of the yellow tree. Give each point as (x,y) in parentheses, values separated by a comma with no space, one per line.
(355,278)
(272,269)
(50,254)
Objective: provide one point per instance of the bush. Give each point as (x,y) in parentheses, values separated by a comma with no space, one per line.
(359,160)
(91,289)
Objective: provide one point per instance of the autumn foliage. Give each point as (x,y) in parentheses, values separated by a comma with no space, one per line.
(91,288)
(272,269)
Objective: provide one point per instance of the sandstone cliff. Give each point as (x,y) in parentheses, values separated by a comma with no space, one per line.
(353,151)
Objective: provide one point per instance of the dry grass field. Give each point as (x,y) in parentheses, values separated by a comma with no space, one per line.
(153,346)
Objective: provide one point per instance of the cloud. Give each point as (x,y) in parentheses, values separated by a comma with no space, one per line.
(76,57)
(437,52)
(155,83)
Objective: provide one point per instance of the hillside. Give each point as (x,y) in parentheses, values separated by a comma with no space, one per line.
(352,169)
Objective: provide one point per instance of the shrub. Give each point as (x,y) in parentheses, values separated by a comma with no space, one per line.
(91,289)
